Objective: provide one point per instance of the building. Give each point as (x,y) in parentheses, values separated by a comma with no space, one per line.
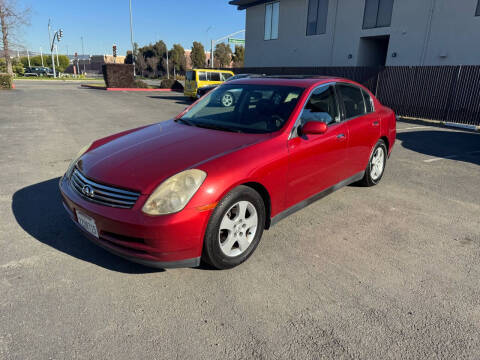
(107,59)
(361,32)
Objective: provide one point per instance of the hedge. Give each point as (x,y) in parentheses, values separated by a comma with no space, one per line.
(171,84)
(6,81)
(118,75)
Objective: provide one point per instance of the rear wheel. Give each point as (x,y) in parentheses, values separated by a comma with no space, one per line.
(234,229)
(376,165)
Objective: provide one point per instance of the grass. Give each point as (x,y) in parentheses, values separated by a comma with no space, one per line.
(79,78)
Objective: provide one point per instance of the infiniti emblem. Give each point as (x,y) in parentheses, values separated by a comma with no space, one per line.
(88,191)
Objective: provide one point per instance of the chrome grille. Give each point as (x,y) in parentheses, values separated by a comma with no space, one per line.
(102,194)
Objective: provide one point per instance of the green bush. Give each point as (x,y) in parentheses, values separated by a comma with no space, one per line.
(141,84)
(171,84)
(6,81)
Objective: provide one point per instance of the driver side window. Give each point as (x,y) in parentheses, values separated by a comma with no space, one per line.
(322,106)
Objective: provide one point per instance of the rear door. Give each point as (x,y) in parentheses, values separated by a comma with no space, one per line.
(317,162)
(363,125)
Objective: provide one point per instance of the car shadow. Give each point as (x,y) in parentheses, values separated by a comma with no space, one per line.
(455,145)
(183,100)
(39,211)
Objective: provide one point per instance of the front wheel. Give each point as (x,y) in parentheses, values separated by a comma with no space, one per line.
(376,165)
(235,228)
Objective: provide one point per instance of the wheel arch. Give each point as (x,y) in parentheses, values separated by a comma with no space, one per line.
(259,188)
(387,143)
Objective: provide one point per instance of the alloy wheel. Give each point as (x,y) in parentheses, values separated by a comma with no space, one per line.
(377,164)
(238,228)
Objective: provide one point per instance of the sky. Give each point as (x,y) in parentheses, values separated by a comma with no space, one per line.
(105,22)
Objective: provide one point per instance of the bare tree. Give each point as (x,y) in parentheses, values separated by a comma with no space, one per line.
(12,17)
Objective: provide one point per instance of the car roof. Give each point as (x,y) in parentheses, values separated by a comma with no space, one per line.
(215,70)
(290,80)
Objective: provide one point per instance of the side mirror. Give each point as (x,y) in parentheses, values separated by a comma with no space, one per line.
(314,127)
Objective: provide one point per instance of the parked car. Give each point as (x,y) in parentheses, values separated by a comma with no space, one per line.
(37,71)
(206,184)
(198,78)
(228,98)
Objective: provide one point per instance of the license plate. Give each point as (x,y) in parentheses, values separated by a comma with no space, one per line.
(87,223)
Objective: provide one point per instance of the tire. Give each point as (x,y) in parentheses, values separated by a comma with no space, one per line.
(232,234)
(376,165)
(227,99)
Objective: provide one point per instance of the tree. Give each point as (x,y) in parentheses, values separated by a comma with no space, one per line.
(11,19)
(239,56)
(223,55)
(177,58)
(63,61)
(198,55)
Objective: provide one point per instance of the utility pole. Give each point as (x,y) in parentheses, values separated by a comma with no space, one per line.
(51,49)
(28,57)
(41,55)
(131,38)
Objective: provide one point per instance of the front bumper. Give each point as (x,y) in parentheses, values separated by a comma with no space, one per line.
(166,241)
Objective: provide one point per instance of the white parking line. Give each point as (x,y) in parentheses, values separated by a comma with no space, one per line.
(413,127)
(442,158)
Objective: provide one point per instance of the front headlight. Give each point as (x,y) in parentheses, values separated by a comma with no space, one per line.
(174,193)
(74,160)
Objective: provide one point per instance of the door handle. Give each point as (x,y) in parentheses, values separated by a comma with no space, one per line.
(375,123)
(341,136)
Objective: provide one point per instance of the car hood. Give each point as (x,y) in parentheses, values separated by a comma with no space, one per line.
(142,159)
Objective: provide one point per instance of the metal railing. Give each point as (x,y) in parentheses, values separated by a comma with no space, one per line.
(443,93)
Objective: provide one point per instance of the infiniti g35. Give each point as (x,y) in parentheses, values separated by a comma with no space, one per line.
(206,184)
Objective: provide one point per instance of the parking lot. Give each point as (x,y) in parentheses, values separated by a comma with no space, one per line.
(366,273)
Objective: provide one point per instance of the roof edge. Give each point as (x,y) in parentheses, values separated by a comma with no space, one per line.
(244,4)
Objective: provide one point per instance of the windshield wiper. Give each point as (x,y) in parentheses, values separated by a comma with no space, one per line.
(186,122)
(217,127)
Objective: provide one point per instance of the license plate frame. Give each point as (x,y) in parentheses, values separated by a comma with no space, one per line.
(87,223)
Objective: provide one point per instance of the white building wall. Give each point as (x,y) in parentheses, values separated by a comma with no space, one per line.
(422,32)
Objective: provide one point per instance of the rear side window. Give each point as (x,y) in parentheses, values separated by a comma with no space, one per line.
(368,101)
(202,76)
(191,75)
(214,76)
(352,100)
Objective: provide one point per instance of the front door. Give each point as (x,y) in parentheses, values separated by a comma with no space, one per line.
(317,162)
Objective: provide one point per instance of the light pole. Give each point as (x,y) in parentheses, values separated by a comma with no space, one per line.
(168,72)
(28,57)
(131,38)
(56,50)
(222,38)
(51,49)
(83,54)
(41,55)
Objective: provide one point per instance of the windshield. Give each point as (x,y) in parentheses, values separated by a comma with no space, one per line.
(244,108)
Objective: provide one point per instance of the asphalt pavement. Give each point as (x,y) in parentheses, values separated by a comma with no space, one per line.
(389,272)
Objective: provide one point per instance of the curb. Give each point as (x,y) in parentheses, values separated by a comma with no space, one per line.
(137,89)
(124,89)
(443,123)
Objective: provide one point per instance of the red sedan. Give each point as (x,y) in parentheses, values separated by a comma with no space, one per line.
(205,185)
